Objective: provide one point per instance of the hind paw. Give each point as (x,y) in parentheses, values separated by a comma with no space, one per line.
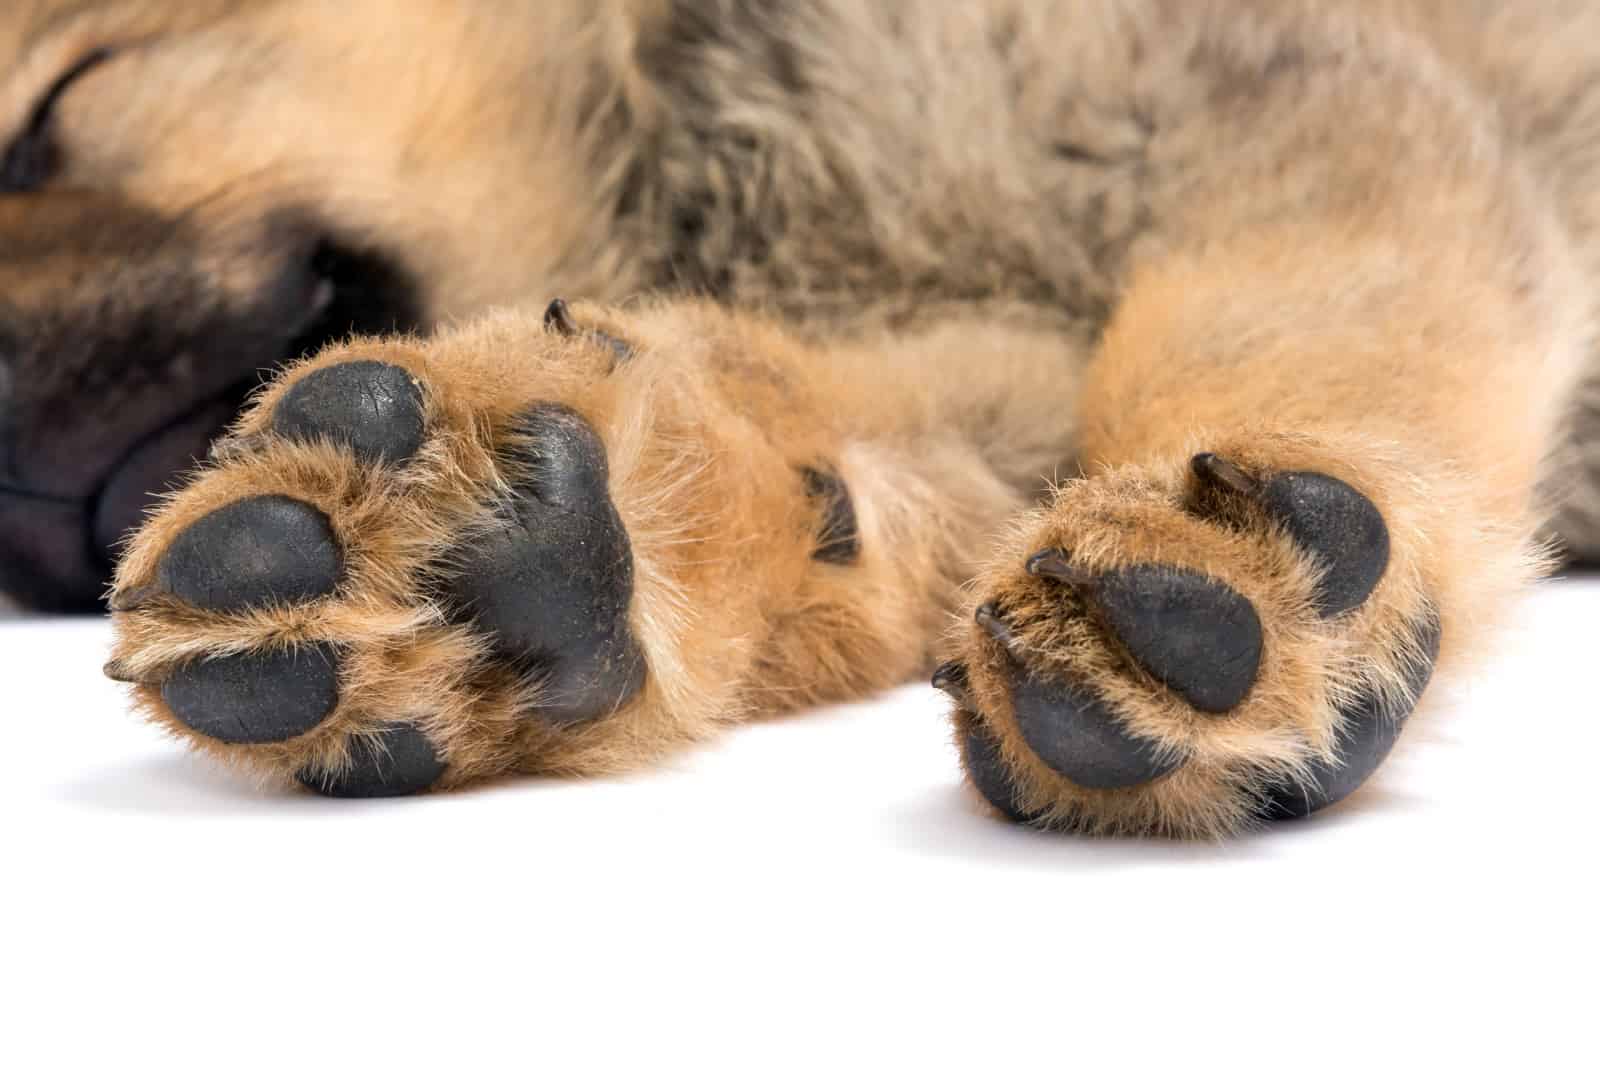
(1183,651)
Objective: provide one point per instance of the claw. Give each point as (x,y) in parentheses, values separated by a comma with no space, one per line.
(137,597)
(228,447)
(951,679)
(1052,563)
(1212,468)
(558,317)
(118,671)
(988,616)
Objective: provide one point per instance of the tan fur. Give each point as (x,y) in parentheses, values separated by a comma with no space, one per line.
(1011,242)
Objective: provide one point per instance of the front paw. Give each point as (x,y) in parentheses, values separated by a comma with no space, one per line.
(1184,650)
(400,573)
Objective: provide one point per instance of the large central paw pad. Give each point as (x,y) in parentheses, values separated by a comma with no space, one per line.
(1187,691)
(551,586)
(371,544)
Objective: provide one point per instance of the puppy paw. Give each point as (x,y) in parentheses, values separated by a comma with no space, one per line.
(407,569)
(1184,650)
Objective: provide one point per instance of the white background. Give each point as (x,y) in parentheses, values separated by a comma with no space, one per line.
(817,890)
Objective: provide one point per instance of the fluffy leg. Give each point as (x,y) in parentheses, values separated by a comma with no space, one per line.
(573,544)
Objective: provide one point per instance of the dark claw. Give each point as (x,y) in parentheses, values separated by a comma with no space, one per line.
(1339,526)
(133,599)
(951,679)
(119,671)
(256,697)
(1371,728)
(558,317)
(1079,737)
(1198,637)
(553,587)
(980,754)
(1212,468)
(250,554)
(373,408)
(988,616)
(401,762)
(838,536)
(1053,564)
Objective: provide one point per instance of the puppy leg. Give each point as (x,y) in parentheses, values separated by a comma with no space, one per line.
(572,545)
(1289,524)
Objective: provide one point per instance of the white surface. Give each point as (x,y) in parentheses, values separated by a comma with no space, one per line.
(817,890)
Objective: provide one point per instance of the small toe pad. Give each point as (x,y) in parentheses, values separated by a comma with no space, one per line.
(1196,635)
(398,763)
(1079,737)
(1339,526)
(374,408)
(987,771)
(1372,726)
(256,697)
(251,554)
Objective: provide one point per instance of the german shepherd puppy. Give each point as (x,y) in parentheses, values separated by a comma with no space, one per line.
(1221,366)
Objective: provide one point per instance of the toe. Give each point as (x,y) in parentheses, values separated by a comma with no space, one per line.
(373,408)
(256,697)
(1339,526)
(1372,725)
(980,754)
(1326,517)
(400,762)
(251,554)
(1195,635)
(1079,737)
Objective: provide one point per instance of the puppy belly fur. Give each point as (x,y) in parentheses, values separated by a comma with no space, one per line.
(1219,429)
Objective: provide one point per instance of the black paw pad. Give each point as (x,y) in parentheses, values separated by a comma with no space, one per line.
(980,754)
(1079,738)
(1339,526)
(553,585)
(1195,635)
(399,762)
(374,408)
(252,553)
(257,697)
(1372,725)
(838,537)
